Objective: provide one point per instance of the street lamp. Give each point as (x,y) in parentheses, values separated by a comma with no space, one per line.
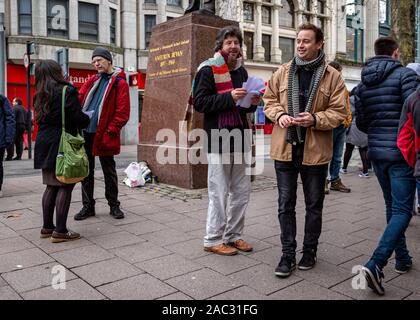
(30,50)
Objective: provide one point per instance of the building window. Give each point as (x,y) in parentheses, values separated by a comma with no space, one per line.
(57,18)
(176,3)
(308,5)
(266,43)
(266,15)
(149,22)
(355,33)
(248,11)
(384,18)
(287,14)
(321,6)
(150,1)
(306,18)
(25,17)
(88,22)
(113,26)
(249,43)
(287,47)
(321,23)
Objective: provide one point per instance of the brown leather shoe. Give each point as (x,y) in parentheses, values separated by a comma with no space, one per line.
(241,245)
(46,233)
(63,237)
(339,186)
(222,249)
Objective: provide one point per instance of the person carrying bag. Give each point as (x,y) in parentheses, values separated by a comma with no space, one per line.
(72,164)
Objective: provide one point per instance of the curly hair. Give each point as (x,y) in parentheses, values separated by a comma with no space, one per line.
(231,31)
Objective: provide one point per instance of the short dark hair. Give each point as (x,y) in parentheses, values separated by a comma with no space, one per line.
(385,46)
(231,31)
(337,66)
(319,35)
(18,101)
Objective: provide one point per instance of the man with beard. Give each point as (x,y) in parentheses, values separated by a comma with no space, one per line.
(305,100)
(216,90)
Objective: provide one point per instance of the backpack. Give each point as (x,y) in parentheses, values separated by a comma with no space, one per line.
(72,164)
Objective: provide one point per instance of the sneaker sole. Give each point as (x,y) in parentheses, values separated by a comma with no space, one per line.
(284,275)
(372,283)
(45,236)
(56,240)
(343,191)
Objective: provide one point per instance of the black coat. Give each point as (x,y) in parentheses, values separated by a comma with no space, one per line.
(385,85)
(49,132)
(209,102)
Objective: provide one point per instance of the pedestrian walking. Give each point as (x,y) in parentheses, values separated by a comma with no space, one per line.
(21,117)
(7,132)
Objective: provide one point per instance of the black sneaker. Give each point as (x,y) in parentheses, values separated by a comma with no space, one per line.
(374,276)
(285,267)
(308,260)
(84,214)
(116,213)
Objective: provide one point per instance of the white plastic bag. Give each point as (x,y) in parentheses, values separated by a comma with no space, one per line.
(134,176)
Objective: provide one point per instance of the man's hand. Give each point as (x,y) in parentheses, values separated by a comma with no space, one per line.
(304,119)
(238,94)
(286,121)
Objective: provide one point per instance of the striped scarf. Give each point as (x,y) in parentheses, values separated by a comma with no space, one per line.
(294,134)
(229,118)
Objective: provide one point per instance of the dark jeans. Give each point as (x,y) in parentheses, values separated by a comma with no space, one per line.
(1,165)
(398,186)
(313,180)
(19,145)
(110,175)
(339,137)
(363,156)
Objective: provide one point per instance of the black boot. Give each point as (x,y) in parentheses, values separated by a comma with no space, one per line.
(116,213)
(85,213)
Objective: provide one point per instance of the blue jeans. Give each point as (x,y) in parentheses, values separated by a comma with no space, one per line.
(398,186)
(418,191)
(339,137)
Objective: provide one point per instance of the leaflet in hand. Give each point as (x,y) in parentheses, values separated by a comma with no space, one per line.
(255,87)
(89,113)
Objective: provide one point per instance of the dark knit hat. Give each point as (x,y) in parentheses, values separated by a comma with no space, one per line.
(102,52)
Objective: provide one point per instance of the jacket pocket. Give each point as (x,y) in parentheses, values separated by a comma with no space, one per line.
(110,142)
(323,99)
(283,98)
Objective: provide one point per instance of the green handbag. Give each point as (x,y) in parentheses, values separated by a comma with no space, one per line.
(72,164)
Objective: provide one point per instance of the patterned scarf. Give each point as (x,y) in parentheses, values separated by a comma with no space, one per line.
(229,118)
(294,134)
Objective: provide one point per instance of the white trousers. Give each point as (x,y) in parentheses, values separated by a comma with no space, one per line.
(229,188)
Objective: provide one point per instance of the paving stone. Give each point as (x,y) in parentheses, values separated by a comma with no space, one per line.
(166,237)
(129,218)
(23,259)
(169,266)
(176,296)
(305,290)
(242,293)
(7,293)
(165,217)
(21,220)
(14,245)
(365,247)
(35,277)
(391,292)
(263,279)
(368,234)
(81,256)
(259,231)
(115,240)
(413,297)
(341,226)
(2,282)
(335,255)
(409,281)
(140,252)
(142,287)
(107,271)
(144,227)
(75,290)
(191,249)
(187,224)
(203,284)
(97,229)
(227,264)
(339,239)
(6,232)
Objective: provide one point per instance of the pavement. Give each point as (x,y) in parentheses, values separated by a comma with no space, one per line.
(156,252)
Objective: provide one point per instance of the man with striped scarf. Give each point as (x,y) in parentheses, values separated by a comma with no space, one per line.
(305,100)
